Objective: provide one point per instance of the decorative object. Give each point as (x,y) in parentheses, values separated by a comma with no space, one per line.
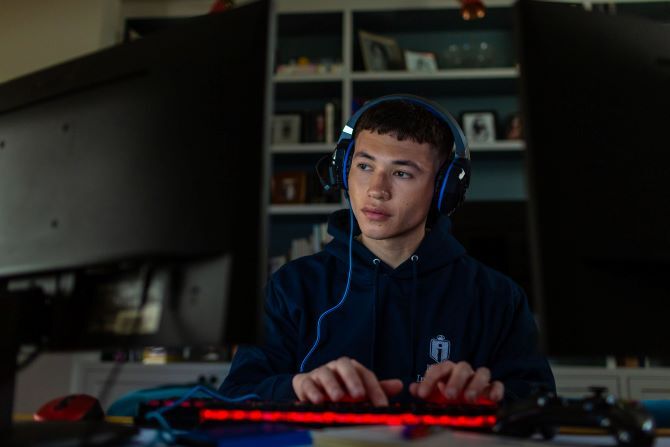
(451,57)
(484,54)
(289,187)
(380,53)
(479,127)
(286,128)
(420,61)
(514,127)
(472,9)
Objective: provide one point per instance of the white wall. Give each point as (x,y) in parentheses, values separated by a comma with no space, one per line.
(51,375)
(35,34)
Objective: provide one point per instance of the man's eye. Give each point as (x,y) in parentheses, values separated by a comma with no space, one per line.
(363,166)
(403,174)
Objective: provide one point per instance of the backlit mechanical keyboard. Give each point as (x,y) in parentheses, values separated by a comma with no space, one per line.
(195,412)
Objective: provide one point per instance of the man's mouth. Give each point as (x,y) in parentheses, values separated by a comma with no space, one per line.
(376,214)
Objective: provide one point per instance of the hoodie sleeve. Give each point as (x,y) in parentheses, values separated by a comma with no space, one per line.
(517,361)
(267,370)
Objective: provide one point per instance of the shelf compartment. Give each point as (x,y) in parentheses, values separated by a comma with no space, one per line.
(316,36)
(431,19)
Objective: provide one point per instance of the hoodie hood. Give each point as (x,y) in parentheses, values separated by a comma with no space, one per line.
(437,249)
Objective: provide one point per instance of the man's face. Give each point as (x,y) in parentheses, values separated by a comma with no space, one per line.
(391,185)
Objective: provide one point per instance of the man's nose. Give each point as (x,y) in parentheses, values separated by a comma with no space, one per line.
(380,187)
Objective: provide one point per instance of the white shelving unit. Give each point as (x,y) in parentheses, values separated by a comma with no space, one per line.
(350,77)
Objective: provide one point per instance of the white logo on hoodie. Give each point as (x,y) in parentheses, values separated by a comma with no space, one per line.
(439,349)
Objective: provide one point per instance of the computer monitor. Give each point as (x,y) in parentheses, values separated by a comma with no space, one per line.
(595,109)
(495,232)
(133,191)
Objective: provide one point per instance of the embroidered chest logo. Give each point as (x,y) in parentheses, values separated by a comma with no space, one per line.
(439,348)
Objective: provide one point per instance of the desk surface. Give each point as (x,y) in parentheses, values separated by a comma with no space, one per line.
(391,436)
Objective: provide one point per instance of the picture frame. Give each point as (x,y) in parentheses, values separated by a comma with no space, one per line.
(289,187)
(286,128)
(514,127)
(380,53)
(420,61)
(479,126)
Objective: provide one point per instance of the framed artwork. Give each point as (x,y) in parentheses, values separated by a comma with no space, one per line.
(420,61)
(286,128)
(289,187)
(479,127)
(380,53)
(514,127)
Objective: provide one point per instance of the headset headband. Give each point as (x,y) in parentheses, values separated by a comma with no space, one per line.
(461,145)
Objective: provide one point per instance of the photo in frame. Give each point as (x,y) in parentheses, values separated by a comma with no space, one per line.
(479,127)
(286,128)
(514,127)
(422,61)
(380,53)
(289,187)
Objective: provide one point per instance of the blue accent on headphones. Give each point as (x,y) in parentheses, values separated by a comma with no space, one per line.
(453,178)
(345,179)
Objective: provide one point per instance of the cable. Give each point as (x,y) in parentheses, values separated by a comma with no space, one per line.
(166,432)
(344,295)
(29,358)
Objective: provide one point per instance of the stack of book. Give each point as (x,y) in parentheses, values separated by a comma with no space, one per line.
(303,246)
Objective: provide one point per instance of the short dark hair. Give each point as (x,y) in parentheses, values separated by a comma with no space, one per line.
(407,120)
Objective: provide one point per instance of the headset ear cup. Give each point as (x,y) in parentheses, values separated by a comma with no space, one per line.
(345,162)
(439,181)
(337,170)
(451,189)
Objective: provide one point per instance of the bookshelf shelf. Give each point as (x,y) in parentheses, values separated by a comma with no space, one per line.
(325,148)
(288,78)
(499,146)
(442,75)
(306,208)
(303,148)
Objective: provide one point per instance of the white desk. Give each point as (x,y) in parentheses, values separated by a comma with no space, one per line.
(391,436)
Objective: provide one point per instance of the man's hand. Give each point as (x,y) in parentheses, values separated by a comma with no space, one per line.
(344,379)
(449,381)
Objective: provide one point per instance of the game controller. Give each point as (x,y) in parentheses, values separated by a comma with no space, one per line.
(543,413)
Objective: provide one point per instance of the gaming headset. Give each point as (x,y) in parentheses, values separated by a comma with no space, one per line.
(453,178)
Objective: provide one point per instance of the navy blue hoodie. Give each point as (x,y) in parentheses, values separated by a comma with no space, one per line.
(439,305)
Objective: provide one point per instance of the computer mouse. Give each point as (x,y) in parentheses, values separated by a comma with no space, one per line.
(74,407)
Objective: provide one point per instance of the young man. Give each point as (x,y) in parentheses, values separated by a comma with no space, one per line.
(421,319)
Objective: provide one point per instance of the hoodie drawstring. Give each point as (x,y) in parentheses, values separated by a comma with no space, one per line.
(376,262)
(413,304)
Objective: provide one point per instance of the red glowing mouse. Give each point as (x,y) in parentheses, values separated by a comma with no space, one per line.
(75,407)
